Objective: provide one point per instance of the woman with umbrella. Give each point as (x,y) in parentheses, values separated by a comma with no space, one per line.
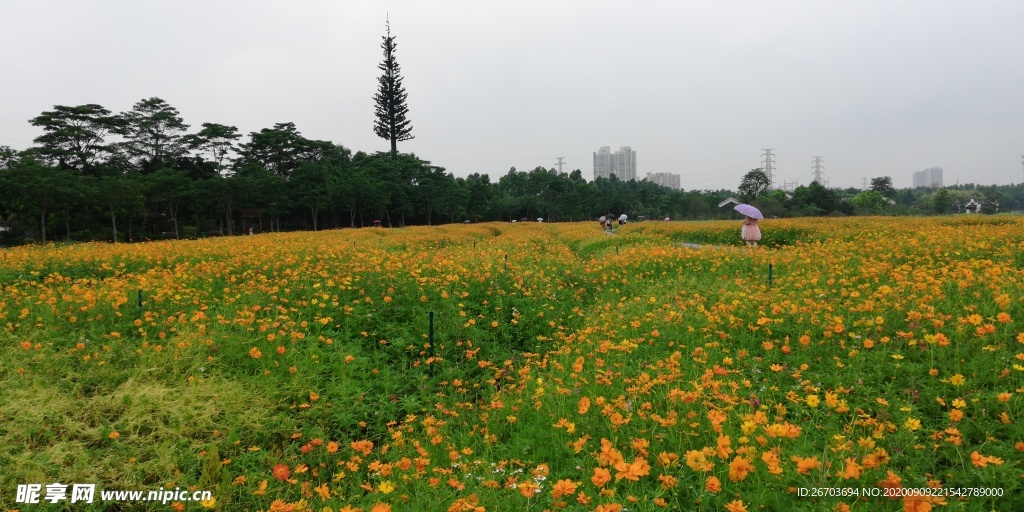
(750,232)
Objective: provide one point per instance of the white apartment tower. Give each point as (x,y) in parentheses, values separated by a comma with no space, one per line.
(621,163)
(931,178)
(664,179)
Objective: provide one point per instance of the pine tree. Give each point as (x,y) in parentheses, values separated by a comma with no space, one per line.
(391,123)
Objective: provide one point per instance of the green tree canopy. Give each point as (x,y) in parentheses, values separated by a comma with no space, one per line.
(154,134)
(883,185)
(754,183)
(74,137)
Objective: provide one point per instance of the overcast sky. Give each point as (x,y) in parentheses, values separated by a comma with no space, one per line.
(878,88)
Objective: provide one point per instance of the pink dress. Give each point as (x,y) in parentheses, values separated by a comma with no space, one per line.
(750,232)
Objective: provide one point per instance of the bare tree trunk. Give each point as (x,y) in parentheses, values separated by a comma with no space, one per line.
(42,224)
(113,223)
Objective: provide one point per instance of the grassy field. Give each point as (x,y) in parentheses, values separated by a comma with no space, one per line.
(569,369)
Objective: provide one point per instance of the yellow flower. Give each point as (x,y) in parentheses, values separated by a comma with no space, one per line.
(813,400)
(957,380)
(912,424)
(386,487)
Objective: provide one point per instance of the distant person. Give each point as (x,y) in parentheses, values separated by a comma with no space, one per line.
(540,219)
(603,220)
(750,232)
(667,219)
(622,220)
(250,230)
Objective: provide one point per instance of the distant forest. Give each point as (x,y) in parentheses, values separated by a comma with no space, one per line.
(143,175)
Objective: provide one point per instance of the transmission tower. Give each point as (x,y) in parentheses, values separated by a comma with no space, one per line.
(817,169)
(768,163)
(865,186)
(560,163)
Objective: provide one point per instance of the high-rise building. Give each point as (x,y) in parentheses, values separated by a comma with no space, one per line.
(621,163)
(931,178)
(603,163)
(664,179)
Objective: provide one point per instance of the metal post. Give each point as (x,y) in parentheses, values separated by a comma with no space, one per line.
(140,299)
(430,340)
(769,275)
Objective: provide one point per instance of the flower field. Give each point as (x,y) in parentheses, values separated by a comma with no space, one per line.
(569,369)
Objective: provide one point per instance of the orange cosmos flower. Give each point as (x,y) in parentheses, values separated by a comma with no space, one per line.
(668,481)
(255,353)
(364,447)
(697,459)
(281,472)
(981,461)
(601,477)
(805,465)
(381,507)
(914,503)
(528,489)
(584,405)
(633,471)
(736,506)
(713,485)
(563,487)
(851,469)
(667,459)
(467,504)
(739,468)
(892,481)
(724,449)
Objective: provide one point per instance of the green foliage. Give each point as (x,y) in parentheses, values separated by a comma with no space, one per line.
(870,201)
(754,183)
(883,185)
(942,202)
(76,186)
(391,122)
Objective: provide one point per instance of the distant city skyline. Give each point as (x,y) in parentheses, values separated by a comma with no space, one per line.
(931,178)
(621,163)
(665,179)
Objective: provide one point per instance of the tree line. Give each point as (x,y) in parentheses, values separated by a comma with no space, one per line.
(143,174)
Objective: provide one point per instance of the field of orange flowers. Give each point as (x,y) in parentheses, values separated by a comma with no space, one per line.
(569,369)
